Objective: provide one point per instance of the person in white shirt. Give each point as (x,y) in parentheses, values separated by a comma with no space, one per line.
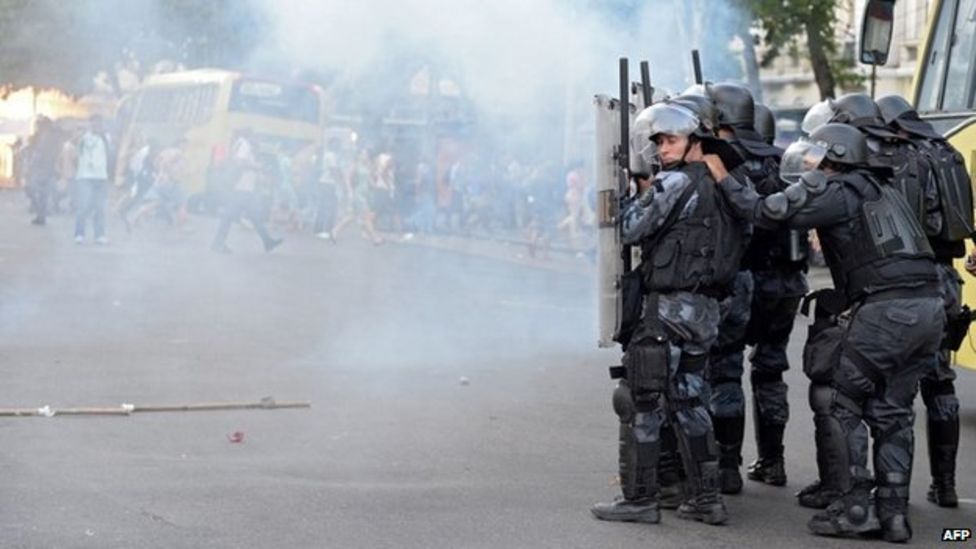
(92,175)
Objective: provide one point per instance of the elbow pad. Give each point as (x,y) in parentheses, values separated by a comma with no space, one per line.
(776,206)
(796,194)
(815,181)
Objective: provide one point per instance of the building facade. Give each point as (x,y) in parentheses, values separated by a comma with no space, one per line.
(789,83)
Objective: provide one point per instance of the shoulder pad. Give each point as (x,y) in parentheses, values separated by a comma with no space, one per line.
(667,181)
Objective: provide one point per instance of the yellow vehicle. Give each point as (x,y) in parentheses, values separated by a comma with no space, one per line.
(944,91)
(208,108)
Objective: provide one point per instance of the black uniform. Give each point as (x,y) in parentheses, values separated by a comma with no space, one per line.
(948,221)
(772,282)
(890,281)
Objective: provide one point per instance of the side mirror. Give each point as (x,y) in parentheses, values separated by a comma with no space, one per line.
(876,27)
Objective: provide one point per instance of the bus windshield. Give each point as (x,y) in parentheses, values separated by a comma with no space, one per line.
(177,105)
(293,102)
(948,77)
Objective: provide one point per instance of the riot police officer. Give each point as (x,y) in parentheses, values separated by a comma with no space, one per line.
(887,149)
(949,184)
(773,282)
(889,279)
(681,225)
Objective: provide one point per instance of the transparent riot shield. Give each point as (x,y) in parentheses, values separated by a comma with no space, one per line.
(608,187)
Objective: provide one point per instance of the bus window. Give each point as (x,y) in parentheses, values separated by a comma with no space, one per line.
(181,106)
(959,81)
(934,70)
(275,100)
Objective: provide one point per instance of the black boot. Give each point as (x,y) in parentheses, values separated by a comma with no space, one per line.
(892,507)
(817,496)
(728,434)
(769,466)
(943,442)
(854,513)
(705,503)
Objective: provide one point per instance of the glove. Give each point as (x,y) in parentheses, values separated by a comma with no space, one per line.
(646,198)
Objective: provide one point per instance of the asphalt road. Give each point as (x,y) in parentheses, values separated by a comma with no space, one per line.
(458,400)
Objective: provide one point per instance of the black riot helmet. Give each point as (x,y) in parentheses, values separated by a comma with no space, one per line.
(899,114)
(765,123)
(893,107)
(856,109)
(735,105)
(844,143)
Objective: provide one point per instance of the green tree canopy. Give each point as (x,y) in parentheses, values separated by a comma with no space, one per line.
(785,21)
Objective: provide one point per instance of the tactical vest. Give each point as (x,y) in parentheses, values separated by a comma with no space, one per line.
(782,249)
(700,252)
(882,247)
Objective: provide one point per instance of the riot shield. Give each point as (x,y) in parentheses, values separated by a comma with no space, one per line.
(610,251)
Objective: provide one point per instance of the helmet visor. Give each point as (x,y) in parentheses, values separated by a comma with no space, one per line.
(644,149)
(817,116)
(800,157)
(670,119)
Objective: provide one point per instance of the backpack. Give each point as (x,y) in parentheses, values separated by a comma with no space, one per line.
(948,171)
(909,170)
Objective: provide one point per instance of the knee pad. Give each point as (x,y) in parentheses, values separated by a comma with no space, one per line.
(943,407)
(940,399)
(726,398)
(623,403)
(821,396)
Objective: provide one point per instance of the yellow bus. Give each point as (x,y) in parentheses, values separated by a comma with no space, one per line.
(208,107)
(944,91)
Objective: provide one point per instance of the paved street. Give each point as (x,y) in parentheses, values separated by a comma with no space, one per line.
(458,400)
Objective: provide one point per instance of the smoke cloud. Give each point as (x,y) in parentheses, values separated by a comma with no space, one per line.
(511,58)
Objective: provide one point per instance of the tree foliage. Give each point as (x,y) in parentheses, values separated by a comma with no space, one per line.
(65,44)
(784,22)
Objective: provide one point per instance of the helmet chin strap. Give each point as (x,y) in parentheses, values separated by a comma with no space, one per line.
(684,155)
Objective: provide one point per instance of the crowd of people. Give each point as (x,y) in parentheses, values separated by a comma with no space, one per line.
(320,190)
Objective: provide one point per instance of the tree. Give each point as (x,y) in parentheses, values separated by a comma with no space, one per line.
(65,45)
(783,22)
